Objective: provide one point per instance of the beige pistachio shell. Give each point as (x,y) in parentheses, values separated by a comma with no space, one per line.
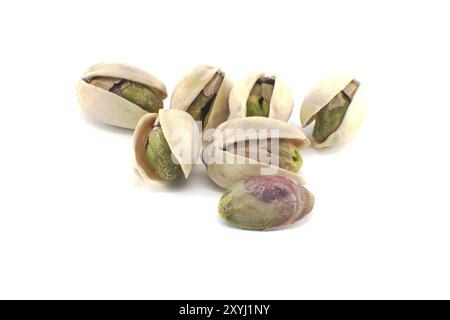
(182,135)
(108,107)
(226,168)
(190,86)
(320,95)
(229,131)
(124,71)
(281,103)
(220,111)
(143,129)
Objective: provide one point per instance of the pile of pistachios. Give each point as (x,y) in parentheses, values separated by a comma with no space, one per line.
(238,131)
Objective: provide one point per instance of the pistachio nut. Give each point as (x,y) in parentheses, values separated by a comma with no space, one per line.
(203,93)
(253,146)
(119,95)
(261,95)
(265,203)
(337,107)
(166,146)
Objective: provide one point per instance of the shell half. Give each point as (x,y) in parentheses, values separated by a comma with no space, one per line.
(124,71)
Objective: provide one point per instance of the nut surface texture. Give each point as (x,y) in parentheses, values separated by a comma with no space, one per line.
(265,203)
(159,156)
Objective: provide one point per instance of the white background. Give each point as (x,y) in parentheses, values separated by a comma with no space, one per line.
(76,222)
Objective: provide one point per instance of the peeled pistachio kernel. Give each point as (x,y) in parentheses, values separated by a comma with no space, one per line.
(166,145)
(200,108)
(265,203)
(131,91)
(261,95)
(159,156)
(283,154)
(290,158)
(258,103)
(329,118)
(143,97)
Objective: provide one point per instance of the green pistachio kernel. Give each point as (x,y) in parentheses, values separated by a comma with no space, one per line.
(329,118)
(136,93)
(285,155)
(200,109)
(200,106)
(159,156)
(143,97)
(290,158)
(258,103)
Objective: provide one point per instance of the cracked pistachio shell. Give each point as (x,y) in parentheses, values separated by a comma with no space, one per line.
(193,83)
(281,103)
(109,107)
(319,97)
(265,203)
(226,168)
(182,136)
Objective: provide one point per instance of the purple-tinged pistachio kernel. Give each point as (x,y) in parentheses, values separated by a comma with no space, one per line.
(265,203)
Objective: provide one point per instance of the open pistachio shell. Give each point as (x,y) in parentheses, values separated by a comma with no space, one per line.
(182,135)
(281,103)
(193,83)
(319,97)
(226,168)
(109,107)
